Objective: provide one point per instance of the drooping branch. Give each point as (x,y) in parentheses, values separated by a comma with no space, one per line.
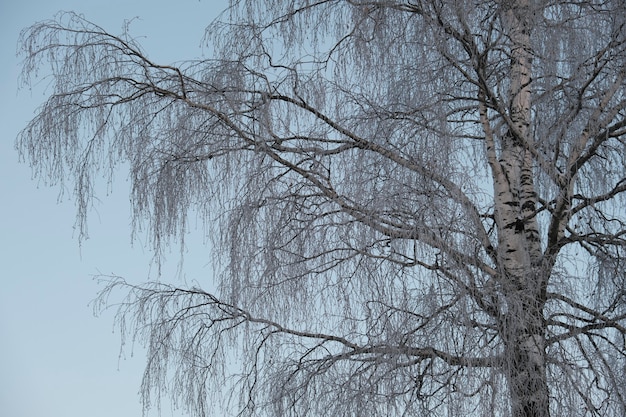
(390,204)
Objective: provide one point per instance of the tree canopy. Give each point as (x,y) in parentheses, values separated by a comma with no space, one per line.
(414,207)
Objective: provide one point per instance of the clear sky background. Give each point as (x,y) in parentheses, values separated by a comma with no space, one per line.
(56,358)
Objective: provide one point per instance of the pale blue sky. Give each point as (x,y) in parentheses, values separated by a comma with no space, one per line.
(56,359)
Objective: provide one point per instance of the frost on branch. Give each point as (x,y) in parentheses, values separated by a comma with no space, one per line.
(414,208)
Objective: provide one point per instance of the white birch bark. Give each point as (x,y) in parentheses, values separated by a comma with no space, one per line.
(522,274)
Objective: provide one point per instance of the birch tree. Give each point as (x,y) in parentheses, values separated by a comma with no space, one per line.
(413,207)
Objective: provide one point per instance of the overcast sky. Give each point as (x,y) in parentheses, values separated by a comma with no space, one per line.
(56,358)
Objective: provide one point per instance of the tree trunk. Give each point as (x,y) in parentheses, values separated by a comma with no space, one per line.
(523,327)
(524,333)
